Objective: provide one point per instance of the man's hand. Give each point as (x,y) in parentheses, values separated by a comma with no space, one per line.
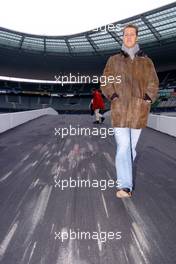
(147,98)
(115,98)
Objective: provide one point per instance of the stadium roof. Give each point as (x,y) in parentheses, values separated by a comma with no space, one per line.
(156,27)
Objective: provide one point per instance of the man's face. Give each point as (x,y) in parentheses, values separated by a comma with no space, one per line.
(129,37)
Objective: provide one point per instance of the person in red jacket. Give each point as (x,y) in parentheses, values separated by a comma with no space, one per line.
(97,105)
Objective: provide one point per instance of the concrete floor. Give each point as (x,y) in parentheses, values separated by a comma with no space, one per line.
(34,211)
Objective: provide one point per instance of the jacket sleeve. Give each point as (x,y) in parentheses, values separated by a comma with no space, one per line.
(153,83)
(107,87)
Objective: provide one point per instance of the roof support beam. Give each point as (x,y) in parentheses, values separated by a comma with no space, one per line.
(116,37)
(44,45)
(92,43)
(21,41)
(151,27)
(68,46)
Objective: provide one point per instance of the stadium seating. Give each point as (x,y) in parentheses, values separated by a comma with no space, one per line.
(19,96)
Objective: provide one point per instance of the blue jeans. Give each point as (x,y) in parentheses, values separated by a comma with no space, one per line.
(126,139)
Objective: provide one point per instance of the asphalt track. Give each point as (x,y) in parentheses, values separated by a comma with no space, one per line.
(35,214)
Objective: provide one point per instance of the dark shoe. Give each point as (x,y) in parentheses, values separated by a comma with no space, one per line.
(96,122)
(102,119)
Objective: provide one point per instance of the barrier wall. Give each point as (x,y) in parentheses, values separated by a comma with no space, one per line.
(162,123)
(10,120)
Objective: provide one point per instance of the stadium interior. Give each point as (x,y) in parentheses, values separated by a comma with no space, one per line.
(43,58)
(38,151)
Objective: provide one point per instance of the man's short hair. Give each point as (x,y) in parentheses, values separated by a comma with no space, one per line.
(131,26)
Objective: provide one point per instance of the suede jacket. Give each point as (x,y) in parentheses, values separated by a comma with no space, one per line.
(131,86)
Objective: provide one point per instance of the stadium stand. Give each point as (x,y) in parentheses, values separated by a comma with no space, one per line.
(73,97)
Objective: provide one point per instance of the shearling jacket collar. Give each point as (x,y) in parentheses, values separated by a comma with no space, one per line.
(139,53)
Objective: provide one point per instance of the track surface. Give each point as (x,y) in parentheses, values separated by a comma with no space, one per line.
(34,209)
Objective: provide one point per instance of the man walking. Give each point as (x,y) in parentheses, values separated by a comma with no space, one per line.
(130,102)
